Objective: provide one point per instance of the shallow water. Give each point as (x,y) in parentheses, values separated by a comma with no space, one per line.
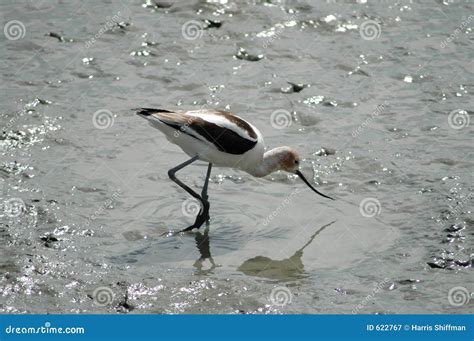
(86,211)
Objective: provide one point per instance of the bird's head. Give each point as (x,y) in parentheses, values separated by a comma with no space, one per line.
(289,161)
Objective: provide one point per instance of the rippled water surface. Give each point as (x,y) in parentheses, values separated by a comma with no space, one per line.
(375,95)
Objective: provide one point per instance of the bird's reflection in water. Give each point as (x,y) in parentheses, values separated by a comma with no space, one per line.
(285,269)
(202,243)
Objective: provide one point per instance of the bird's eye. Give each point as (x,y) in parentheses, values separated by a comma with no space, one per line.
(297,162)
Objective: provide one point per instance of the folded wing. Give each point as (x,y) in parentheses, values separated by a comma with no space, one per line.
(224,131)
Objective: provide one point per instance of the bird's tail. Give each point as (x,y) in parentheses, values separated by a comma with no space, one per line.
(149,111)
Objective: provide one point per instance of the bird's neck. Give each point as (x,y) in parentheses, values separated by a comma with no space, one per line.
(271,162)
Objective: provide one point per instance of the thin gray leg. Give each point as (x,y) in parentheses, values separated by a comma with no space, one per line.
(203,214)
(206,183)
(172,172)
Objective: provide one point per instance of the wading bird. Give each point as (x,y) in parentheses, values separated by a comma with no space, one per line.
(222,139)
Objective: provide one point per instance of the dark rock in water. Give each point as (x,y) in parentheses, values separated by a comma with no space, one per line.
(454,228)
(341,291)
(425,190)
(325,152)
(149,43)
(164,3)
(43,101)
(49,238)
(437,265)
(374,182)
(447,264)
(450,263)
(212,24)
(122,25)
(297,87)
(157,4)
(244,55)
(57,36)
(294,87)
(408,281)
(465,264)
(330,103)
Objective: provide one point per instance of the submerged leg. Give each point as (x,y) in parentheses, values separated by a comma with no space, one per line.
(203,214)
(204,195)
